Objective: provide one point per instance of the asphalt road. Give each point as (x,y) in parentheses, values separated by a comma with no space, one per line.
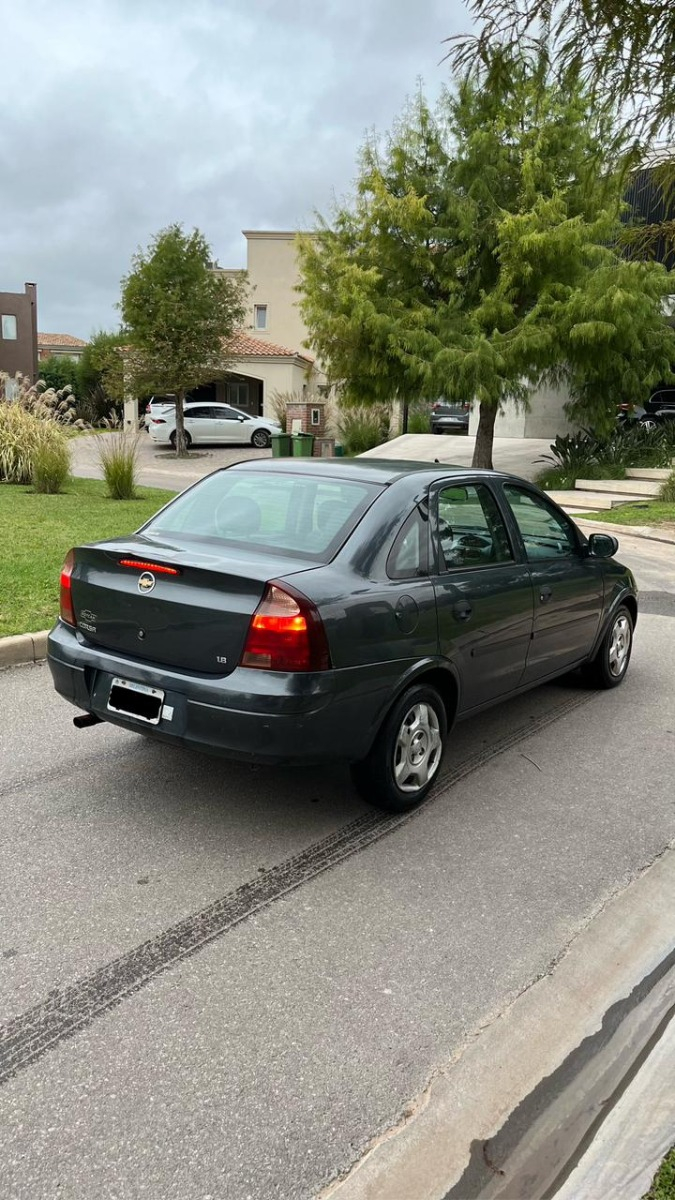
(220,981)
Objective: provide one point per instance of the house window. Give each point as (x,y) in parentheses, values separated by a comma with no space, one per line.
(9,328)
(260,316)
(316,416)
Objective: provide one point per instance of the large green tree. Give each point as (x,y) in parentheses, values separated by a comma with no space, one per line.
(178,312)
(625,52)
(623,49)
(101,374)
(466,263)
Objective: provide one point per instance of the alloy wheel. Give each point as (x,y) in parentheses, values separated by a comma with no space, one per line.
(619,646)
(418,748)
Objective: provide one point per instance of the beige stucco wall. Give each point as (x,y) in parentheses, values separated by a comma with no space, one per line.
(273,275)
(544,419)
(276,375)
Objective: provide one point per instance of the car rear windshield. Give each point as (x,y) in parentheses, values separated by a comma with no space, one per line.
(305,515)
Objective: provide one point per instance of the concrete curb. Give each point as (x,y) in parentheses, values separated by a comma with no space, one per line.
(648,533)
(23,648)
(512,1112)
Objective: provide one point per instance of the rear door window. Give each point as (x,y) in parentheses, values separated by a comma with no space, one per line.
(408,557)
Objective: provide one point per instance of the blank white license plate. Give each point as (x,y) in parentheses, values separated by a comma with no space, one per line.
(136,700)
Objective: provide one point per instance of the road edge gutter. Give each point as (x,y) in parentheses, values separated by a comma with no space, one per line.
(23,648)
(516,1106)
(648,533)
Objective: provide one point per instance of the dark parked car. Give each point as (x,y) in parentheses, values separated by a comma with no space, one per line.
(449,418)
(659,408)
(338,609)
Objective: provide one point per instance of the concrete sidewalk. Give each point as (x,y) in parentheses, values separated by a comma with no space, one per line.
(537,1103)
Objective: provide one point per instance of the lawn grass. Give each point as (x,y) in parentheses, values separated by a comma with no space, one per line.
(650,513)
(36,531)
(663,1184)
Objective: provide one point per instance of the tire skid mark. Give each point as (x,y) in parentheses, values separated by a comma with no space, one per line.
(65,1010)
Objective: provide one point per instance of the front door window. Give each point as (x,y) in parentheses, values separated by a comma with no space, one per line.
(545,531)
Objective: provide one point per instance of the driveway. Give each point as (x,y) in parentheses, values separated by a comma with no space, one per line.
(224,981)
(518,456)
(157,466)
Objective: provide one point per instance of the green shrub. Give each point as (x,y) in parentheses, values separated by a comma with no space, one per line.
(363,427)
(95,406)
(572,453)
(118,457)
(19,434)
(51,461)
(279,400)
(585,456)
(667,492)
(59,374)
(419,418)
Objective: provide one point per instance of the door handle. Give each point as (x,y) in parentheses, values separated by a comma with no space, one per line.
(545,594)
(462,610)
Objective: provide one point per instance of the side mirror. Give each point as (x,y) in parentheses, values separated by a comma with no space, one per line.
(602,545)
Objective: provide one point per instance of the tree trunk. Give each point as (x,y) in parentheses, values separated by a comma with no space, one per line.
(482,451)
(181,446)
(404,420)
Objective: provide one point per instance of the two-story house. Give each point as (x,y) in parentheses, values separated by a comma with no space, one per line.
(18,332)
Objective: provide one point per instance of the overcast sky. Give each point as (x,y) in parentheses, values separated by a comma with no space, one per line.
(122,116)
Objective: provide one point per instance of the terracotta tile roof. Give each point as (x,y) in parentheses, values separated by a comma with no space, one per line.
(58,339)
(242,344)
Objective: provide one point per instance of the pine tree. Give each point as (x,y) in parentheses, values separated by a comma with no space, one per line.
(466,259)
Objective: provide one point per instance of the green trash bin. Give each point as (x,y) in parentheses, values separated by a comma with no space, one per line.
(281,445)
(303,445)
(339,450)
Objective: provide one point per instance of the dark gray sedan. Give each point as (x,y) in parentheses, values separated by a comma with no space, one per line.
(353,609)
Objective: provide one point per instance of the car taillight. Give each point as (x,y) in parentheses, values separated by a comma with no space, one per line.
(67,610)
(286,633)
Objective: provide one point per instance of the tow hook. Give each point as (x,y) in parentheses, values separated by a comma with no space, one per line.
(86,719)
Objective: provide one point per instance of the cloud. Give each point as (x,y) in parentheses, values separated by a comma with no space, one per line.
(121,116)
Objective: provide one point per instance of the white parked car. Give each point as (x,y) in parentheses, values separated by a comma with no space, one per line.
(205,422)
(156,406)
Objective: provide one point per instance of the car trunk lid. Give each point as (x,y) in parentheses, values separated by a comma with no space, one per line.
(128,599)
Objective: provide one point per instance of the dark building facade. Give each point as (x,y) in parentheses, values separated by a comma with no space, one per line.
(651,197)
(18,332)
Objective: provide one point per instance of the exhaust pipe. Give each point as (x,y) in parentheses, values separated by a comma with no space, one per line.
(86,719)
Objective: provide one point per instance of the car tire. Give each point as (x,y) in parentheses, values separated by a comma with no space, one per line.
(261,439)
(607,669)
(648,423)
(406,754)
(188,440)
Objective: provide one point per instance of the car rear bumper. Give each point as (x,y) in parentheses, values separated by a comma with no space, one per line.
(256,716)
(443,425)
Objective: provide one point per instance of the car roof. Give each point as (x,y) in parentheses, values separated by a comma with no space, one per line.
(370,470)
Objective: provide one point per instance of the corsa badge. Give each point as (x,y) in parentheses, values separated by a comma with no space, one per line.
(146,582)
